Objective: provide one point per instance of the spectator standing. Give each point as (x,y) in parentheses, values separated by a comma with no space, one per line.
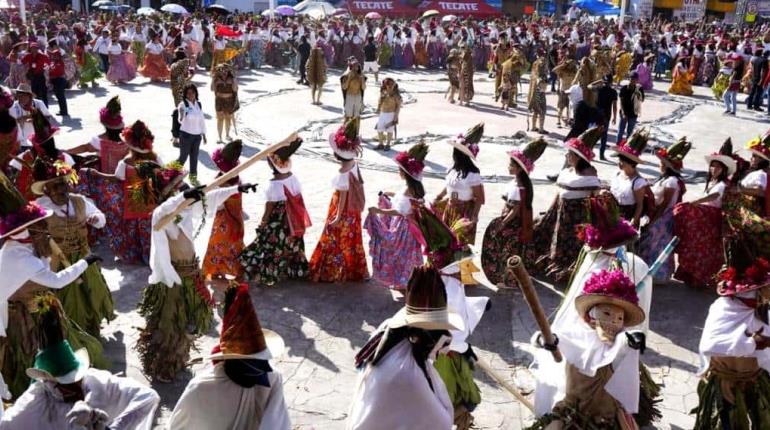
(56,74)
(370,59)
(192,128)
(607,103)
(631,99)
(303,49)
(37,63)
(102,47)
(758,71)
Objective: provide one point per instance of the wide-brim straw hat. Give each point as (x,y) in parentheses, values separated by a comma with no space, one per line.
(47,214)
(38,187)
(84,363)
(348,155)
(23,88)
(624,151)
(728,161)
(438,319)
(275,347)
(634,315)
(465,150)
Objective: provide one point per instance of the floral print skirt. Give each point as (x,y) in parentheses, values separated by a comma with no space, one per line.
(555,241)
(339,255)
(226,242)
(500,243)
(699,252)
(274,254)
(654,238)
(394,249)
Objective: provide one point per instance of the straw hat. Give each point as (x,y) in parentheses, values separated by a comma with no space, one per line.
(760,146)
(426,303)
(16,214)
(532,151)
(110,115)
(468,143)
(44,131)
(612,287)
(743,272)
(226,157)
(725,156)
(583,146)
(673,156)
(412,162)
(280,159)
(23,88)
(634,147)
(345,141)
(138,137)
(44,173)
(242,336)
(607,229)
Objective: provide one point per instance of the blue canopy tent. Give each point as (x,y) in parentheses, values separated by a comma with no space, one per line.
(597,7)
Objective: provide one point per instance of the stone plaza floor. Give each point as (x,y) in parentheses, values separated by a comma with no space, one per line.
(325,324)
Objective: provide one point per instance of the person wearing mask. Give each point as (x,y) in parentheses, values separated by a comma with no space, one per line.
(607,103)
(192,128)
(303,49)
(37,63)
(56,75)
(758,71)
(631,98)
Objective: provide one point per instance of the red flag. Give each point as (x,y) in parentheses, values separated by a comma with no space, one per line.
(225,31)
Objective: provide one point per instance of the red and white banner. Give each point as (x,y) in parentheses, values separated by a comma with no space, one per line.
(474,8)
(389,8)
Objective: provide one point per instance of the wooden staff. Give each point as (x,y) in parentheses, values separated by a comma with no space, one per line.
(226,177)
(503,383)
(516,266)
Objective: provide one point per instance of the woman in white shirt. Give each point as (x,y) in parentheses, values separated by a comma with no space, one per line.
(698,224)
(754,185)
(394,239)
(459,202)
(668,191)
(628,187)
(192,128)
(555,243)
(508,234)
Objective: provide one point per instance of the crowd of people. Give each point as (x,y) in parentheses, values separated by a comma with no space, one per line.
(606,239)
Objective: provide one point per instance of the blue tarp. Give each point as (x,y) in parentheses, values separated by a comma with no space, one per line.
(597,7)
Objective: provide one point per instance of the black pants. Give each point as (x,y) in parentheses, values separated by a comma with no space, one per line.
(189,146)
(303,70)
(755,96)
(175,123)
(105,62)
(39,87)
(59,85)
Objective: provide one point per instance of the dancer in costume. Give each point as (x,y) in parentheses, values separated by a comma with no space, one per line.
(25,271)
(565,71)
(511,232)
(176,305)
(339,255)
(43,146)
(122,62)
(388,108)
(734,346)
(88,300)
(644,71)
(601,328)
(239,389)
(754,186)
(396,370)
(459,202)
(226,241)
(538,85)
(316,72)
(586,75)
(68,392)
(154,66)
(85,59)
(225,88)
(668,191)
(623,61)
(467,70)
(502,52)
(456,366)
(108,145)
(395,241)
(453,63)
(628,186)
(9,132)
(353,84)
(278,250)
(554,237)
(698,223)
(681,79)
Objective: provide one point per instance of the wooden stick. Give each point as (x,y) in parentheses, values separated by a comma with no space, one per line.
(503,383)
(516,267)
(226,177)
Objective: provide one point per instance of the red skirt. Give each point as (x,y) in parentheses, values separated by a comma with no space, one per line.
(339,255)
(154,67)
(700,253)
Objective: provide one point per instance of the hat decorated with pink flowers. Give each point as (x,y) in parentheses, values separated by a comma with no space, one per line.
(412,162)
(607,228)
(583,146)
(634,146)
(16,214)
(743,272)
(611,287)
(532,151)
(345,142)
(760,146)
(110,116)
(468,143)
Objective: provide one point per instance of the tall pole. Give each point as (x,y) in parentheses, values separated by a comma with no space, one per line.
(623,5)
(23,11)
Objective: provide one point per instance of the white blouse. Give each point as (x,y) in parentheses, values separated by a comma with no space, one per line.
(402,204)
(154,48)
(460,188)
(115,49)
(756,179)
(341,181)
(718,188)
(659,187)
(621,188)
(275,190)
(513,194)
(568,178)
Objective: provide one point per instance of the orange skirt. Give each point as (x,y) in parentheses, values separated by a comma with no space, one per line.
(226,242)
(154,67)
(339,255)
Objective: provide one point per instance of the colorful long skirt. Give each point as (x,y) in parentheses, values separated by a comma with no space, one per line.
(397,62)
(137,48)
(394,249)
(275,254)
(700,257)
(128,239)
(226,242)
(89,71)
(436,55)
(257,53)
(408,56)
(721,82)
(744,224)
(122,67)
(500,243)
(680,85)
(457,214)
(88,300)
(155,67)
(18,348)
(654,238)
(555,242)
(385,56)
(339,255)
(174,317)
(328,49)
